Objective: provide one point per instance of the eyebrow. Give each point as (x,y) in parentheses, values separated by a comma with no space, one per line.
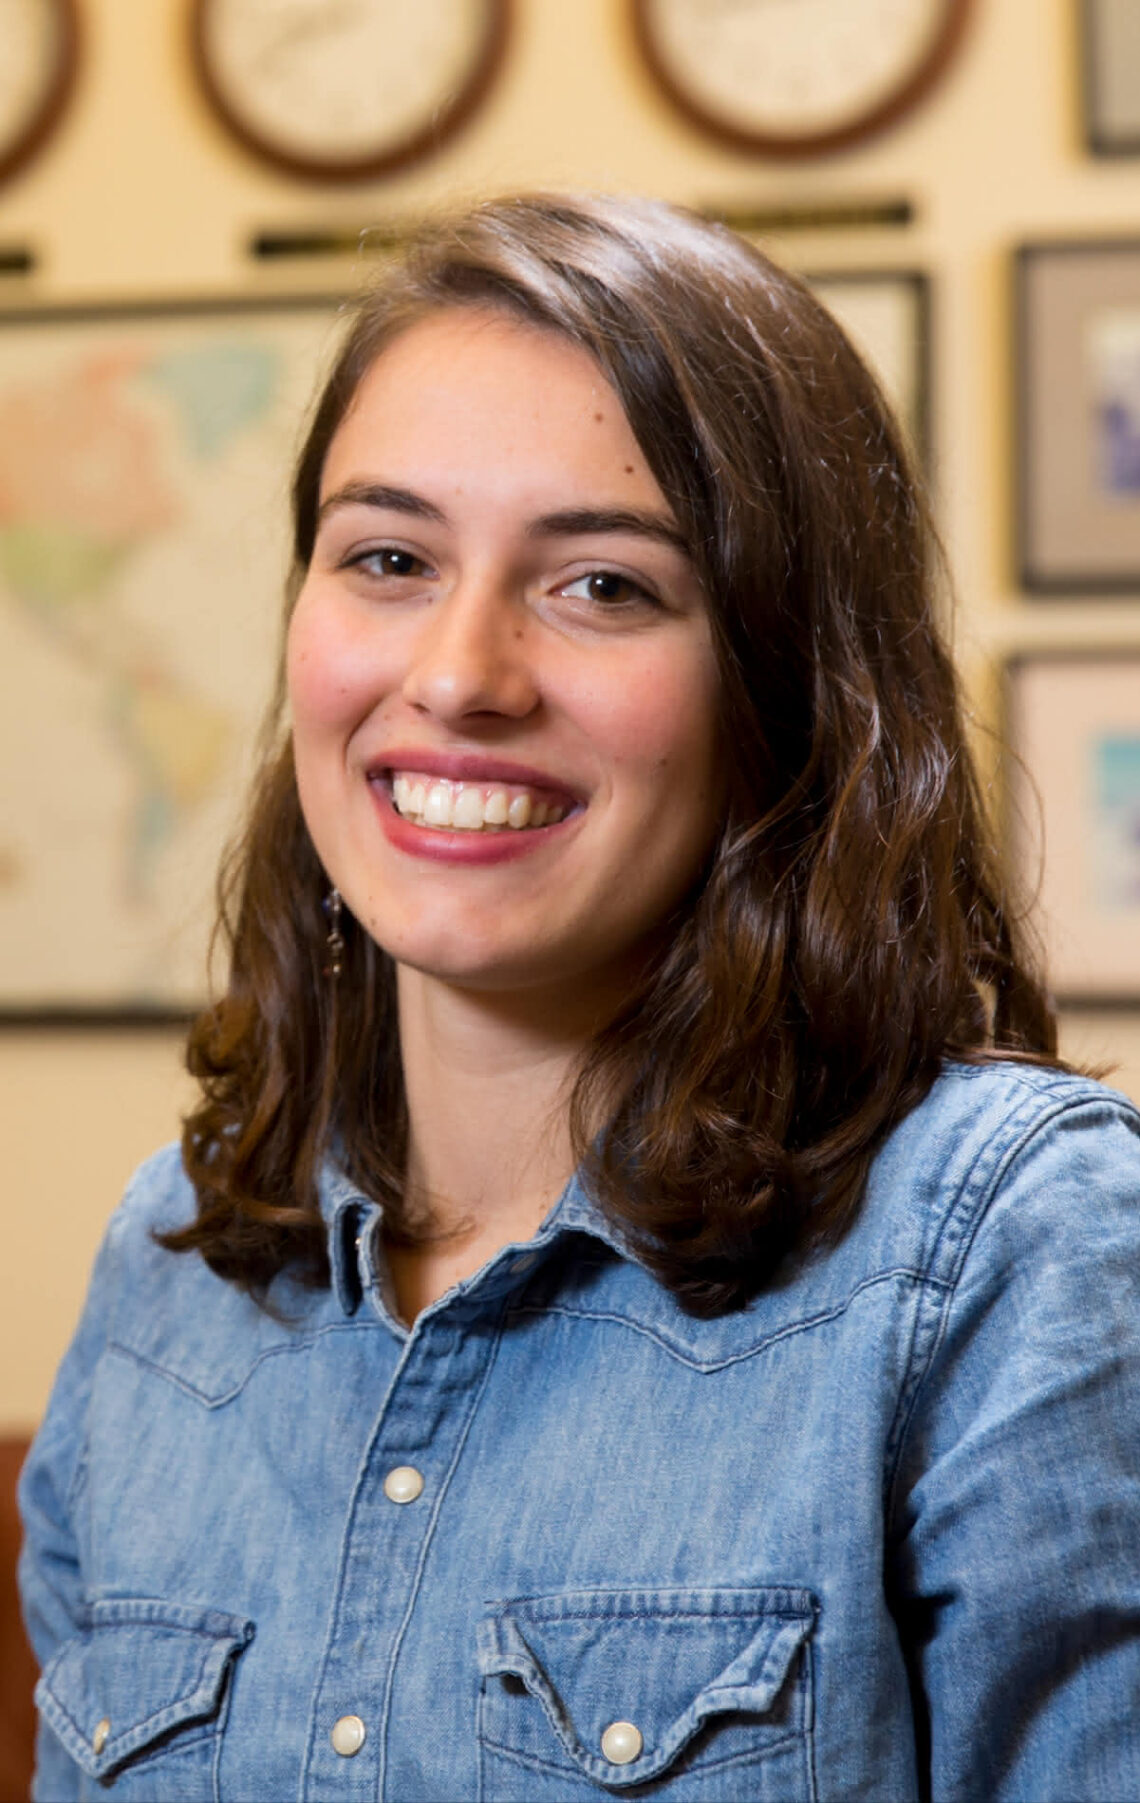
(570,522)
(381,494)
(574,522)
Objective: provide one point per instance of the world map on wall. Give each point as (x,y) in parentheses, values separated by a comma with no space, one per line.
(143,475)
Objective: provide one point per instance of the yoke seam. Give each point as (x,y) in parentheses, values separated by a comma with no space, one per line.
(707,1366)
(216,1402)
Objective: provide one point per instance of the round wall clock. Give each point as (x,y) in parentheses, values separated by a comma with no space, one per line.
(340,90)
(797,77)
(38,54)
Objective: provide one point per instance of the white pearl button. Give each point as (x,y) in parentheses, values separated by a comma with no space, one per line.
(621,1743)
(347,1735)
(99,1738)
(403,1484)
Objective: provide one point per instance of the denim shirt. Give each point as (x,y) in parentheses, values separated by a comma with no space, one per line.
(876,1535)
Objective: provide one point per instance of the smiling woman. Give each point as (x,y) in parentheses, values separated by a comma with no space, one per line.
(630,1114)
(499,614)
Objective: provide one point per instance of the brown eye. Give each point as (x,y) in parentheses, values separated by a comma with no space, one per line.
(388,560)
(603,585)
(391,562)
(608,588)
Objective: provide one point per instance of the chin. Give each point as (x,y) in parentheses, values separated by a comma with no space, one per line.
(458,958)
(558,984)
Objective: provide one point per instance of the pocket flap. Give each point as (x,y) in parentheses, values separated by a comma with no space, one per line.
(137,1669)
(663,1660)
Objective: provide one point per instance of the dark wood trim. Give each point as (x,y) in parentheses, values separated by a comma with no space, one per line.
(840,214)
(277,244)
(56,1019)
(49,313)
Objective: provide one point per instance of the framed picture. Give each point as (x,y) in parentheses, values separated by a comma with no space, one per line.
(1073,815)
(144,467)
(1077,360)
(1110,31)
(886,314)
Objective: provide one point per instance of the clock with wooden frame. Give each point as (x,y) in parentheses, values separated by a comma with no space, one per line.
(797,78)
(345,90)
(39,51)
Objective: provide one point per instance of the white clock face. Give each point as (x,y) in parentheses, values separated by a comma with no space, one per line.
(31,46)
(340,81)
(795,68)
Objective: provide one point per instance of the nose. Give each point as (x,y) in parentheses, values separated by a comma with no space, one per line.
(471,657)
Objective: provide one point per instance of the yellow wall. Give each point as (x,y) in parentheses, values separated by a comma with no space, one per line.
(141,195)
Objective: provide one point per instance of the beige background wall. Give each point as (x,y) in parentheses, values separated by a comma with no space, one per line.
(141,195)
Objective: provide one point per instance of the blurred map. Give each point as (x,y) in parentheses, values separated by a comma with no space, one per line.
(144,464)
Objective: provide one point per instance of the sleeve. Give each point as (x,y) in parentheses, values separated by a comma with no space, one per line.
(1017,1491)
(51,1583)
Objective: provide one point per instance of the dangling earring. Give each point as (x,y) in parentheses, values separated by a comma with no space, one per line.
(334,938)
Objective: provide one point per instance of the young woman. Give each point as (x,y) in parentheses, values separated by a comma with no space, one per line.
(639,1307)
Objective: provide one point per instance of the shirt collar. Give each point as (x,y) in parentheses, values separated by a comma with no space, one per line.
(348,1214)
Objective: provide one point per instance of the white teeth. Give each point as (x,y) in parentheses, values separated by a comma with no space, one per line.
(470,807)
(467,810)
(438,810)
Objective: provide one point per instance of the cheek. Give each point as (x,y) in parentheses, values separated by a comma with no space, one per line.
(662,721)
(327,677)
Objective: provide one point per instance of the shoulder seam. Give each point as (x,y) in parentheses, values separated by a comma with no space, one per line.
(1024,1125)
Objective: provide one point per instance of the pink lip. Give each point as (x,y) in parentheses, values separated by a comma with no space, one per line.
(470,767)
(442,847)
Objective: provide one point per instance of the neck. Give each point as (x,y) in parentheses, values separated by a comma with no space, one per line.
(488,1083)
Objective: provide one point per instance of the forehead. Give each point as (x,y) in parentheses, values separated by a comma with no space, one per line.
(466,386)
(468,328)
(468,354)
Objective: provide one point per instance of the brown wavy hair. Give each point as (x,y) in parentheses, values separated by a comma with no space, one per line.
(850,931)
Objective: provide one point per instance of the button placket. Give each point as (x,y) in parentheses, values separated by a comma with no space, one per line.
(429,1402)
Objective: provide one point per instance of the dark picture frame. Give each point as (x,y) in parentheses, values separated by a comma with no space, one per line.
(1072,815)
(888,313)
(1076,356)
(1110,67)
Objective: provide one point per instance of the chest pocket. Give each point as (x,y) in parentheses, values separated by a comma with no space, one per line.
(702,1696)
(138,1697)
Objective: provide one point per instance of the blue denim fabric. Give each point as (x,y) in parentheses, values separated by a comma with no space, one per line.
(875,1536)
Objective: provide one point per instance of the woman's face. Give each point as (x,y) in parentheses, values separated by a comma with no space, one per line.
(500,667)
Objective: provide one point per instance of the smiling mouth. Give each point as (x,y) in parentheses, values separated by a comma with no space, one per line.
(466,807)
